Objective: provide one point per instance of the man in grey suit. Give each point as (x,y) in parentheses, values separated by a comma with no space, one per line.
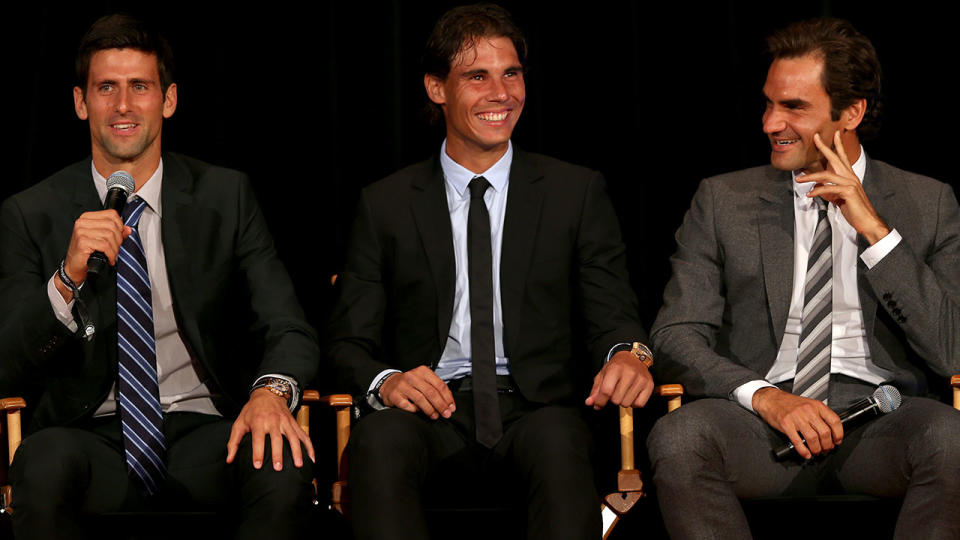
(796,289)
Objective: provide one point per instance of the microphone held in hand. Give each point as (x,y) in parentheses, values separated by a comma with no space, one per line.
(883,400)
(119,186)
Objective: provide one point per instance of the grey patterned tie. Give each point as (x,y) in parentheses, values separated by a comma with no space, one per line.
(816,335)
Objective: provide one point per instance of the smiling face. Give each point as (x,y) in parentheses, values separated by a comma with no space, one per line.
(482,98)
(125,106)
(797,107)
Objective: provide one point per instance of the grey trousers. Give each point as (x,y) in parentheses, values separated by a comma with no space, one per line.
(711,452)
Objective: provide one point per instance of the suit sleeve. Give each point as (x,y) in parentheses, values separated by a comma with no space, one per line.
(30,333)
(356,323)
(685,334)
(608,302)
(290,343)
(921,290)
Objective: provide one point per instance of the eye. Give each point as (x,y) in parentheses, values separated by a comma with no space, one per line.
(105,88)
(477,77)
(140,87)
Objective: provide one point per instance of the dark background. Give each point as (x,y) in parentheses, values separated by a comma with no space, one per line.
(316,102)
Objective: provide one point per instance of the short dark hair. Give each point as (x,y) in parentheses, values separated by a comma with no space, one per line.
(851,69)
(459,29)
(121,31)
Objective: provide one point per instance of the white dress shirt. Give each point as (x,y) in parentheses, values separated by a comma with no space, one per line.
(850,353)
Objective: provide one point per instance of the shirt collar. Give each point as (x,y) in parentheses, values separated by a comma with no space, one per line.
(859,169)
(459,176)
(149,192)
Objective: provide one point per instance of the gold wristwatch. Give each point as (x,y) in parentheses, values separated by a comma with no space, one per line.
(277,386)
(643,353)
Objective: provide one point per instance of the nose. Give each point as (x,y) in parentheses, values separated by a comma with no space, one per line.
(772,121)
(122,102)
(498,91)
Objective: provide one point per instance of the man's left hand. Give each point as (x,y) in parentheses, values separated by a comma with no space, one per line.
(624,381)
(839,184)
(267,413)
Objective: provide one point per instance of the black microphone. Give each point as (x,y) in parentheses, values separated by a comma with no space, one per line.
(884,399)
(119,186)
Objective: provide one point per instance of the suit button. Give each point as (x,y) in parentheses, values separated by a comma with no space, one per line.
(887,296)
(897,311)
(892,303)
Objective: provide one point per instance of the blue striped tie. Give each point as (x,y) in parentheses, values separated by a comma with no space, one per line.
(140,412)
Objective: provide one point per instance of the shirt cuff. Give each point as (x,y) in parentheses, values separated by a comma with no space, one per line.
(617,348)
(295,395)
(63,310)
(372,398)
(743,394)
(875,253)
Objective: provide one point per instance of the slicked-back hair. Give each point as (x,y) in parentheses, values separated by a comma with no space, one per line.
(120,31)
(851,69)
(457,31)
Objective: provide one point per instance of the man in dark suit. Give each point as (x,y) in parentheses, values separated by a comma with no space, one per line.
(135,377)
(784,308)
(457,307)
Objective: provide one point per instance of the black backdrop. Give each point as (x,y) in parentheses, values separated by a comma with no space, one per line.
(317,101)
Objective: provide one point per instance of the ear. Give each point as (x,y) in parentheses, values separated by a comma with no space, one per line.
(170,101)
(851,117)
(435,89)
(79,104)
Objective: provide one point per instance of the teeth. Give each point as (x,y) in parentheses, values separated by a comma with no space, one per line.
(492,117)
(124,126)
(784,143)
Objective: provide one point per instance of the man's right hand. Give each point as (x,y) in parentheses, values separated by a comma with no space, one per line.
(797,416)
(419,389)
(93,231)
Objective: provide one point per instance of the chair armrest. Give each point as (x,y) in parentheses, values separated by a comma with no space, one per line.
(955,383)
(673,393)
(11,409)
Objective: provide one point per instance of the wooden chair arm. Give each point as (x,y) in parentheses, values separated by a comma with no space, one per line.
(673,393)
(955,382)
(11,408)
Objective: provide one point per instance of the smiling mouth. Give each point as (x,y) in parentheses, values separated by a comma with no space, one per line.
(493,116)
(124,126)
(785,142)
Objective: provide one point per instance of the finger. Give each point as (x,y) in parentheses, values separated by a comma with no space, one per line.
(597,379)
(307,443)
(835,163)
(256,442)
(609,384)
(797,441)
(836,426)
(838,143)
(404,404)
(432,388)
(640,392)
(276,449)
(812,438)
(233,443)
(293,438)
(622,390)
(423,404)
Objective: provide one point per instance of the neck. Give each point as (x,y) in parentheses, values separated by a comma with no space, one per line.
(475,159)
(140,168)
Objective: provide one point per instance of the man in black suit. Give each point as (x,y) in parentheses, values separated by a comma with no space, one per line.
(799,287)
(458,300)
(134,377)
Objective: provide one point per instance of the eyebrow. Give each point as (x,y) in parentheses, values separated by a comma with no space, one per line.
(792,103)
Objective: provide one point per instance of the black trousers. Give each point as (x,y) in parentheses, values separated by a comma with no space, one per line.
(62,475)
(543,463)
(710,452)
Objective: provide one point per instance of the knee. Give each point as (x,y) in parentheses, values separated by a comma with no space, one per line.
(939,440)
(390,442)
(52,461)
(554,437)
(286,487)
(682,443)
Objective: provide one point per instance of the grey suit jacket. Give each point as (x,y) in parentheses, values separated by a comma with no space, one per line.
(725,308)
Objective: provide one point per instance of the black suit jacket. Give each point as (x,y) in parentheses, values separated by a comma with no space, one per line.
(226,281)
(562,266)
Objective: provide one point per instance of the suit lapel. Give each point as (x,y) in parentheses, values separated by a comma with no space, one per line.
(432,217)
(519,234)
(879,192)
(775,219)
(175,225)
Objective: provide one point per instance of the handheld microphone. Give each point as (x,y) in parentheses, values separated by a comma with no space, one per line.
(119,186)
(884,399)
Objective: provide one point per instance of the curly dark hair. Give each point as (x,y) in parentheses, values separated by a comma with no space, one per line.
(851,69)
(458,30)
(121,31)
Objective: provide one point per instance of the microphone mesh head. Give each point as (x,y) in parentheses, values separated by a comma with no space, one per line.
(887,397)
(122,180)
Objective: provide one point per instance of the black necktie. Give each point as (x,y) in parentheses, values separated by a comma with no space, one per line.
(480,264)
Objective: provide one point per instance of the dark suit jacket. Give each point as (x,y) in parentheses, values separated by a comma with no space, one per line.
(725,308)
(225,279)
(562,265)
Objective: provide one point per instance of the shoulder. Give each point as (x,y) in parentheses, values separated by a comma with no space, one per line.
(894,178)
(402,180)
(753,179)
(56,189)
(180,168)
